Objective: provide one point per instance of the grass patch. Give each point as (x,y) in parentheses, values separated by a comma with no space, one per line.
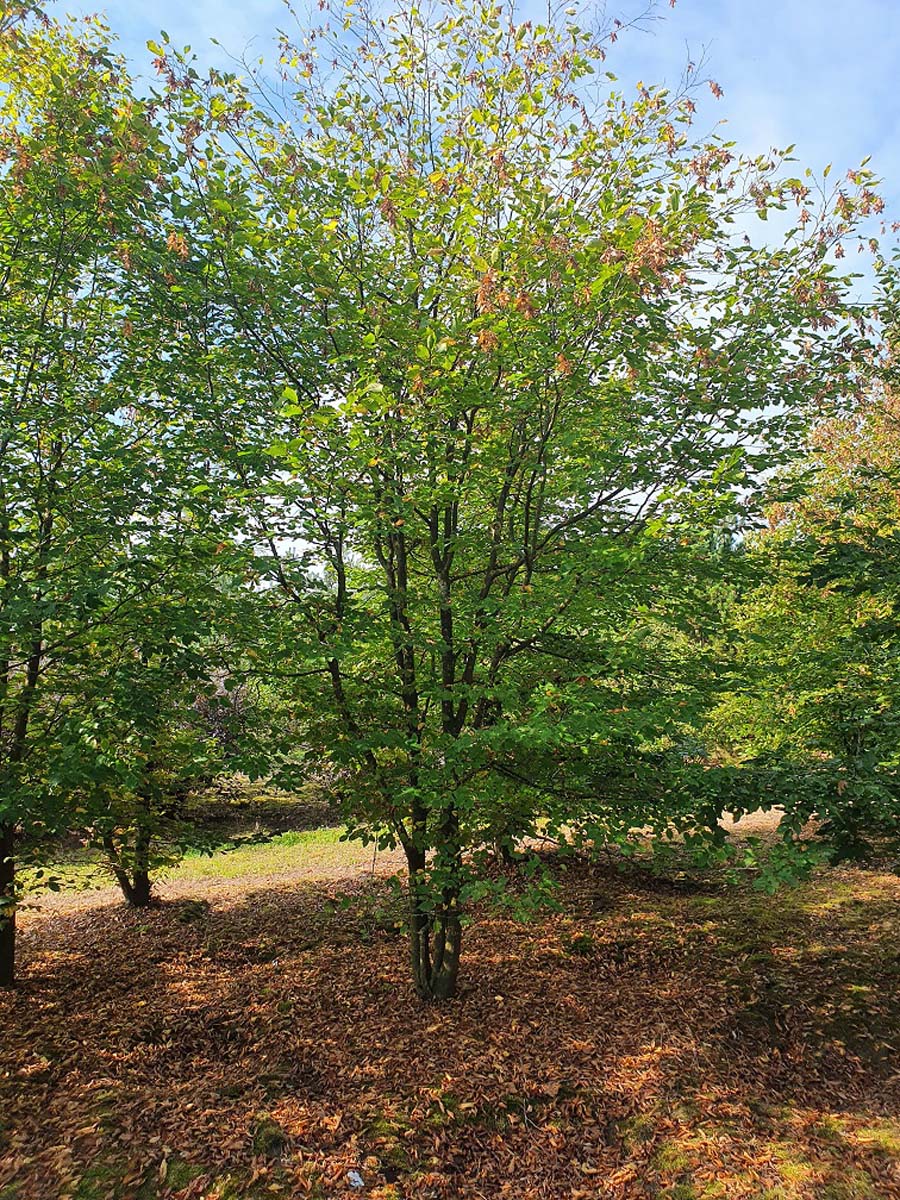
(636,1131)
(309,849)
(283,853)
(670,1159)
(852,1185)
(882,1136)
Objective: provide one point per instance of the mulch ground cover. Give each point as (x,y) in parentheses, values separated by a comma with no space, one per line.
(652,1039)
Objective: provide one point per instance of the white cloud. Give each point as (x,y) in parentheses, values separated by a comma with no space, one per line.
(818,73)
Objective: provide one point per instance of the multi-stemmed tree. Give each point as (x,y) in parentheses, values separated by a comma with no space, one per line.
(466,347)
(482,333)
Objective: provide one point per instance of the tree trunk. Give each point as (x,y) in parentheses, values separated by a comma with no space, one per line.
(435,935)
(136,887)
(503,851)
(140,890)
(7,907)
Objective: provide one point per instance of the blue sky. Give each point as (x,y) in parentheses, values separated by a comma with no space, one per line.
(820,73)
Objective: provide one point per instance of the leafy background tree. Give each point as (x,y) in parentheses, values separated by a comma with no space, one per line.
(160,723)
(100,490)
(812,709)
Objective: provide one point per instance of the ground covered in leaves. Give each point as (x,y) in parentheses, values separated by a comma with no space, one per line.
(654,1039)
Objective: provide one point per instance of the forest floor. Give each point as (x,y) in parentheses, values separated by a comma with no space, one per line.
(250,1036)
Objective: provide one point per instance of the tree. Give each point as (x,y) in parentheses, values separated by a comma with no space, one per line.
(494,336)
(811,717)
(94,500)
(159,721)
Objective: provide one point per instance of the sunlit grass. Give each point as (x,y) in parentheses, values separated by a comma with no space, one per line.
(282,853)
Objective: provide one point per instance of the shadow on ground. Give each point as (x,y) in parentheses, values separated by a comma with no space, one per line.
(643,1042)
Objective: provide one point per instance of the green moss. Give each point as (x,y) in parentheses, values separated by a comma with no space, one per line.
(191,912)
(394,1155)
(636,1131)
(854,1185)
(686,1110)
(671,1159)
(445,1110)
(796,1171)
(178,1175)
(181,1173)
(100,1181)
(828,1129)
(579,944)
(883,1137)
(384,1133)
(235,1187)
(494,1118)
(268,1138)
(386,1125)
(793,1167)
(716,1189)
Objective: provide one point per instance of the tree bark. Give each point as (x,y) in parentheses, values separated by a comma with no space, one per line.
(503,851)
(7,907)
(435,935)
(141,885)
(140,890)
(136,887)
